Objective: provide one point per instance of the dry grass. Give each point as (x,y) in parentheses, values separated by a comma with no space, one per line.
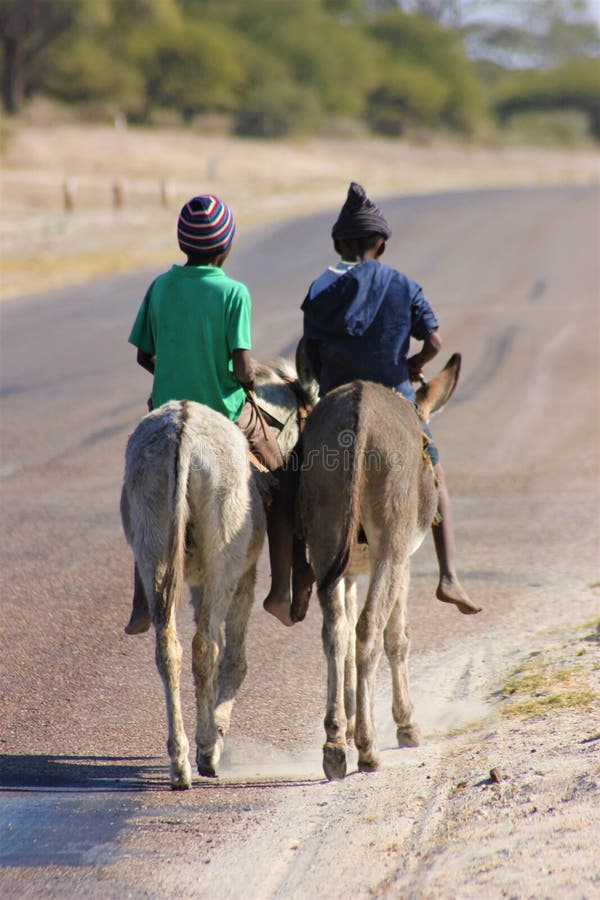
(44,245)
(540,686)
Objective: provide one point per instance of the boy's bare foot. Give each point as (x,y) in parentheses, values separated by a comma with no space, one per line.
(450,590)
(279,607)
(139,621)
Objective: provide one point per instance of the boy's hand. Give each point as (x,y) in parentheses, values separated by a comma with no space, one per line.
(430,349)
(415,367)
(248,385)
(146,361)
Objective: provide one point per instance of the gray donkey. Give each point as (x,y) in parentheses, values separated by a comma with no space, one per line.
(192,510)
(367,497)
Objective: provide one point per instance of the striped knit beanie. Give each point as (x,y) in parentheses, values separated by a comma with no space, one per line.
(205,226)
(359,217)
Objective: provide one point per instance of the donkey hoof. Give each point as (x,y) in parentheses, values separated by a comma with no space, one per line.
(181,777)
(408,736)
(206,768)
(334,762)
(368,765)
(207,764)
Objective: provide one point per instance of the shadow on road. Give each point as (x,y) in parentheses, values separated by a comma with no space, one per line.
(95,773)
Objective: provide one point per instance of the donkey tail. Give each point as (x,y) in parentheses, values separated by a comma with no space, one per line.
(173,582)
(353,443)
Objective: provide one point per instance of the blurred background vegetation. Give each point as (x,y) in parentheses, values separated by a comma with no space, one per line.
(271,68)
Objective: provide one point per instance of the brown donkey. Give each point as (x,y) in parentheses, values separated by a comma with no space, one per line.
(368,497)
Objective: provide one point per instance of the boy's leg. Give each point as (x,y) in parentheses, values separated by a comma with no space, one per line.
(280,535)
(139,621)
(449,589)
(287,553)
(280,526)
(303,579)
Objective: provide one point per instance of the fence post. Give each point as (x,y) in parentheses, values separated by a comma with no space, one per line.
(167,193)
(118,194)
(68,195)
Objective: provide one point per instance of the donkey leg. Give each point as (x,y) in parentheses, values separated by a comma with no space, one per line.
(350,663)
(396,643)
(168,663)
(335,644)
(232,670)
(369,646)
(206,647)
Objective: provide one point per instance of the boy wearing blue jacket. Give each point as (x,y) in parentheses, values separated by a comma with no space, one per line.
(359,317)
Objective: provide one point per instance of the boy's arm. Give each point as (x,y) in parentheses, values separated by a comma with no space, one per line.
(146,361)
(242,368)
(313,357)
(429,350)
(308,360)
(423,327)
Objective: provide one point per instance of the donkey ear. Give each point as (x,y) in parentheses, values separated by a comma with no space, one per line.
(433,396)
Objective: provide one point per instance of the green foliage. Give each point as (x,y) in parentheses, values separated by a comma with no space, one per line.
(83,71)
(194,68)
(345,8)
(276,109)
(408,95)
(28,28)
(575,85)
(333,59)
(419,58)
(551,127)
(336,60)
(281,66)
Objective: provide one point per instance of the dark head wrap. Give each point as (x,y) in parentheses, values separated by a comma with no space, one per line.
(359,217)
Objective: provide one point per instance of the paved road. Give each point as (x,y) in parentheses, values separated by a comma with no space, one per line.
(514,277)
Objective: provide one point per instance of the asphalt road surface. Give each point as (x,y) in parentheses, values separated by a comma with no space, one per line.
(85,808)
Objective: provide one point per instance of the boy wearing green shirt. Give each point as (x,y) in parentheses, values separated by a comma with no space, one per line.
(192,334)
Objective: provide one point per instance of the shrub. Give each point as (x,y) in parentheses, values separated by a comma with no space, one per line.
(276,109)
(437,58)
(410,95)
(574,85)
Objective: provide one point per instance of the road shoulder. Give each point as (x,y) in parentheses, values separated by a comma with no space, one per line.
(508,805)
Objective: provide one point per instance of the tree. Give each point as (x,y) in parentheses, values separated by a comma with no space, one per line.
(574,85)
(193,68)
(413,41)
(510,32)
(530,33)
(312,47)
(76,48)
(444,12)
(408,96)
(27,28)
(277,109)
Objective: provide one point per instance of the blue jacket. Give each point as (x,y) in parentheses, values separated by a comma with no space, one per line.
(359,326)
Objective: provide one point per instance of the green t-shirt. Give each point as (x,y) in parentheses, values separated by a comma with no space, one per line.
(191,320)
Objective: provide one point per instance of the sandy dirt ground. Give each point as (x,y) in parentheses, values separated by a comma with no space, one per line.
(155,171)
(503,797)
